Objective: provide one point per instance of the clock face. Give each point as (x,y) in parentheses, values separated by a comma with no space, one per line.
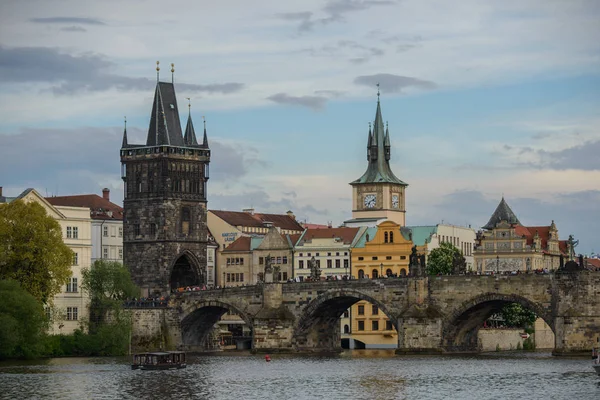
(370,200)
(394,201)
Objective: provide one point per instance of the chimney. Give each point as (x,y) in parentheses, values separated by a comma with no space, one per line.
(106,194)
(291,215)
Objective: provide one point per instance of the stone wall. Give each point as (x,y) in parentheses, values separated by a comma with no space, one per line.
(503,339)
(154,329)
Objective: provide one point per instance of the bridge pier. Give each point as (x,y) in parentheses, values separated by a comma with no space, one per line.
(419,333)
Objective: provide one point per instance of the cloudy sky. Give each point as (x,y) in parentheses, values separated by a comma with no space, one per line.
(483,99)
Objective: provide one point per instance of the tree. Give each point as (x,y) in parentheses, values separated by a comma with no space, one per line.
(22,322)
(445,260)
(108,284)
(32,250)
(516,316)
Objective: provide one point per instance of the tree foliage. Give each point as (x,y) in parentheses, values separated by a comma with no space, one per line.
(32,250)
(445,260)
(517,316)
(22,322)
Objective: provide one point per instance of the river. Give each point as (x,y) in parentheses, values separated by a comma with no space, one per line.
(366,374)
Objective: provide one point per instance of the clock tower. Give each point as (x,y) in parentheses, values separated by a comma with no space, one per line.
(378,194)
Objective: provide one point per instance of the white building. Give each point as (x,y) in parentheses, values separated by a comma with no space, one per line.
(107,223)
(429,237)
(70,306)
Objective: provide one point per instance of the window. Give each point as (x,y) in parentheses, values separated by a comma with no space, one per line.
(338,263)
(120,253)
(136,229)
(228,277)
(152,229)
(388,257)
(301,264)
(278,260)
(375,325)
(241,261)
(375,310)
(346,329)
(388,325)
(284,259)
(360,258)
(329,263)
(120,231)
(75,232)
(403,257)
(361,325)
(346,263)
(361,274)
(75,258)
(72,285)
(300,254)
(391,237)
(105,231)
(346,314)
(374,258)
(308,255)
(261,261)
(337,254)
(329,254)
(72,314)
(385,237)
(361,310)
(388,272)
(374,274)
(242,277)
(105,252)
(69,232)
(185,221)
(317,255)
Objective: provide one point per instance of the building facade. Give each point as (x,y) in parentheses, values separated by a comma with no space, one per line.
(378,194)
(429,237)
(107,223)
(504,245)
(70,308)
(165,232)
(330,248)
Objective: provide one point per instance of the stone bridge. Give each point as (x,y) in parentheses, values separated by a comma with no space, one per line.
(430,314)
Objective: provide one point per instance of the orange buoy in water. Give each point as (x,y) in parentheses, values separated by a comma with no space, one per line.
(267,358)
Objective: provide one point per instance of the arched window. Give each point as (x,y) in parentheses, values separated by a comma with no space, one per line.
(185,221)
(391,237)
(388,272)
(402,272)
(374,274)
(361,274)
(346,329)
(385,237)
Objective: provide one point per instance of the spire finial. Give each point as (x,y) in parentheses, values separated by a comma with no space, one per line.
(189,105)
(125,122)
(172,73)
(378,92)
(157,70)
(204,121)
(369,126)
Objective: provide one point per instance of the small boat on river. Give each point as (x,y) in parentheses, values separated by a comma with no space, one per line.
(159,360)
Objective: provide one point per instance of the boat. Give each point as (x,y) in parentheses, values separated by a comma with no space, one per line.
(596,358)
(159,360)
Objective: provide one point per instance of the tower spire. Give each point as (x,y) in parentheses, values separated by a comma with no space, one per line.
(157,71)
(173,73)
(124,144)
(190,134)
(205,139)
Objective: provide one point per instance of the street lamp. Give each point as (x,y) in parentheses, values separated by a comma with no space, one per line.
(497,264)
(380,270)
(223,285)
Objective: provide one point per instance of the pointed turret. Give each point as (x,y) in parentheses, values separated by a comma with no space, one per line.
(165,126)
(502,213)
(205,140)
(124,144)
(378,154)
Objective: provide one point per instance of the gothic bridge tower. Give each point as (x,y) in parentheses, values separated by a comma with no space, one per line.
(165,230)
(378,194)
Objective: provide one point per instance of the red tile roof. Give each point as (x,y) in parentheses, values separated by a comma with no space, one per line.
(100,208)
(346,234)
(315,226)
(241,218)
(543,232)
(240,244)
(593,262)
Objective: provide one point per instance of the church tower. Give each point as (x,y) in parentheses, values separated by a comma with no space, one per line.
(378,194)
(165,179)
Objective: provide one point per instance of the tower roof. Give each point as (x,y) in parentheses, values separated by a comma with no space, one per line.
(502,213)
(165,126)
(190,135)
(378,170)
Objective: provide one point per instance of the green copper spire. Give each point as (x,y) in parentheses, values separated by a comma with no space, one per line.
(379,153)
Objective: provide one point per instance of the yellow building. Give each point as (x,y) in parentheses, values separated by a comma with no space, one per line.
(381,253)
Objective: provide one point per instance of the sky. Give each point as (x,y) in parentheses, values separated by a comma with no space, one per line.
(484,99)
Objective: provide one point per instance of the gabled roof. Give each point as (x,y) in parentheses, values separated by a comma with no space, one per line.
(346,234)
(100,208)
(165,126)
(240,244)
(422,234)
(378,170)
(502,213)
(370,232)
(246,219)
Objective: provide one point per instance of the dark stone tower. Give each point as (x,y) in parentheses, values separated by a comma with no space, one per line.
(165,231)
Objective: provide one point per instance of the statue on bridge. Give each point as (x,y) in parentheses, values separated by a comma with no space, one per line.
(416,264)
(268,266)
(315,270)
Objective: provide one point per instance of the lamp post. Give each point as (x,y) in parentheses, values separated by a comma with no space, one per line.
(223,285)
(380,270)
(497,264)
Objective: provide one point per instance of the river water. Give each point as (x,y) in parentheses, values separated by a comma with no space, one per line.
(367,374)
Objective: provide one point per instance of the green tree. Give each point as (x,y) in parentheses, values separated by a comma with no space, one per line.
(22,322)
(108,284)
(444,260)
(517,316)
(32,250)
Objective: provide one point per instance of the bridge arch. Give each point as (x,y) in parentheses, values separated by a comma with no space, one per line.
(199,319)
(318,326)
(460,327)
